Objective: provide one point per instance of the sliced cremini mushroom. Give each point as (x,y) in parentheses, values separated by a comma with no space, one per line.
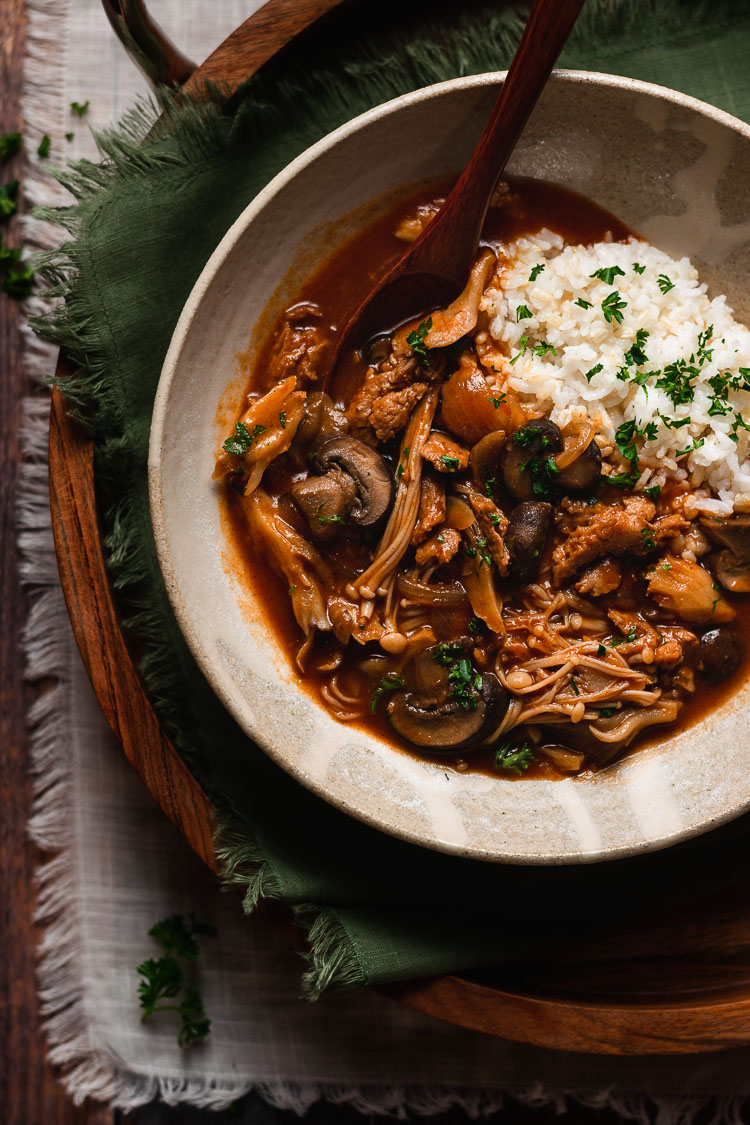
(602,739)
(442,725)
(732,565)
(583,474)
(720,654)
(525,539)
(326,502)
(528,463)
(366,468)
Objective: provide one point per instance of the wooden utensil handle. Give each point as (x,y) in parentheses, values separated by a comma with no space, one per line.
(547,28)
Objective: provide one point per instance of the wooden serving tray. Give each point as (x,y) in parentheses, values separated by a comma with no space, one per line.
(675,985)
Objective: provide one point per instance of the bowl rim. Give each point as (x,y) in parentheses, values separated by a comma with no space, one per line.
(212,268)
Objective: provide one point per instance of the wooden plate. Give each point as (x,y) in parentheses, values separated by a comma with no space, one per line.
(676,985)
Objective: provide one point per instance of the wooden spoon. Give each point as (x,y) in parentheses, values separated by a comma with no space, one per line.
(434,268)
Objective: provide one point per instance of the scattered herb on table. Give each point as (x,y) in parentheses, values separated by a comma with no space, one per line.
(80,109)
(8,199)
(164,977)
(10,144)
(19,283)
(69,136)
(44,146)
(9,253)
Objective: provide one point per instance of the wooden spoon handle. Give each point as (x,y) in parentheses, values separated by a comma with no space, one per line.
(447,247)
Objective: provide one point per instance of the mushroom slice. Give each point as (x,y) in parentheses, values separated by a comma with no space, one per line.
(529,468)
(583,474)
(325,502)
(525,539)
(733,533)
(733,573)
(366,468)
(444,726)
(446,326)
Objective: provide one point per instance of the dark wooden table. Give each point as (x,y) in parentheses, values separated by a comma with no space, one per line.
(30,1092)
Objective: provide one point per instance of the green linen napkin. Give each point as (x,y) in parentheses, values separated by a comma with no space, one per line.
(145,221)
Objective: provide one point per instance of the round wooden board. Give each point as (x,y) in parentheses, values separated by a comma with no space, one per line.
(677,985)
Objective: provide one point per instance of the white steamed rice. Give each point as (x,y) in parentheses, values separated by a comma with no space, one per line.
(557,385)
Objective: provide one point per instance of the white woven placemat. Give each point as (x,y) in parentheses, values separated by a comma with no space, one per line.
(119,866)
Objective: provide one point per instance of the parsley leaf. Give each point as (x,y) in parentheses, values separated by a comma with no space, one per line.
(612,307)
(80,109)
(583,304)
(496,402)
(638,267)
(10,144)
(415,340)
(523,313)
(447,652)
(195,1023)
(677,381)
(8,253)
(536,271)
(241,443)
(589,375)
(44,146)
(328,519)
(282,419)
(607,274)
(514,759)
(635,355)
(450,463)
(738,423)
(8,197)
(542,349)
(163,978)
(524,343)
(19,283)
(390,682)
(653,492)
(176,935)
(664,283)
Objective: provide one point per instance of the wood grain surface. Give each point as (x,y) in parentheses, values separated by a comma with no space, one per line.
(716,955)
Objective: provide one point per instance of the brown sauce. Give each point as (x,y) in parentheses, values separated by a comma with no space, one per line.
(338,286)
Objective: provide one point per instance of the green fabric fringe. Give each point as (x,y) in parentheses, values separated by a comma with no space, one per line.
(345,78)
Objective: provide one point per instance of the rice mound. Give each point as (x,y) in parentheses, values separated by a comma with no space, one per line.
(549,353)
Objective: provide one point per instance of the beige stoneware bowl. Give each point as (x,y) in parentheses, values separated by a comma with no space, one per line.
(676,171)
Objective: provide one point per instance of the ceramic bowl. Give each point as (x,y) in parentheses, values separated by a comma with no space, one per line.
(675,170)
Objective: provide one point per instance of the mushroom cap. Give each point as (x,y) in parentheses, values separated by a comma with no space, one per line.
(733,533)
(525,539)
(533,444)
(446,727)
(720,654)
(733,572)
(367,469)
(325,502)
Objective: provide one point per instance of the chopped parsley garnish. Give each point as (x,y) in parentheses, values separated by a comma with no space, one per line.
(526,435)
(391,681)
(523,313)
(465,684)
(282,419)
(612,307)
(674,423)
(647,539)
(19,283)
(607,274)
(606,712)
(574,686)
(416,341)
(447,652)
(626,434)
(582,304)
(638,267)
(589,375)
(476,626)
(601,651)
(514,759)
(8,253)
(400,472)
(654,491)
(697,443)
(524,343)
(450,463)
(69,136)
(240,444)
(329,519)
(80,109)
(44,146)
(489,481)
(542,349)
(497,401)
(292,588)
(164,977)
(10,144)
(8,197)
(665,566)
(536,271)
(676,380)
(738,423)
(635,356)
(664,283)
(484,556)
